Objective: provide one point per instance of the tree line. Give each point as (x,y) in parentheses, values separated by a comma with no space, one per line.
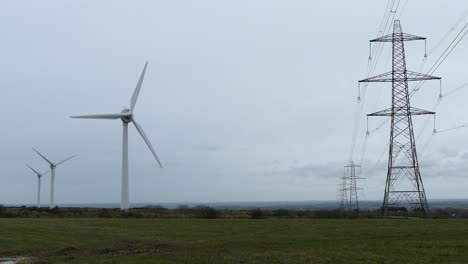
(206,212)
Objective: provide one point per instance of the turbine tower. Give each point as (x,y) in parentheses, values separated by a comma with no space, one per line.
(404,186)
(126,115)
(39,178)
(52,174)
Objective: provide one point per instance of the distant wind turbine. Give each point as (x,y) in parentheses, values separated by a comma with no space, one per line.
(52,174)
(127,117)
(39,178)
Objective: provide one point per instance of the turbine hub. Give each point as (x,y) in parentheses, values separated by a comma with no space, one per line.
(126,119)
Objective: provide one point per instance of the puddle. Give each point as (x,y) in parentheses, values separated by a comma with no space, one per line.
(12,260)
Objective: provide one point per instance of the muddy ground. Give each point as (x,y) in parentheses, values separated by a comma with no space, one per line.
(128,249)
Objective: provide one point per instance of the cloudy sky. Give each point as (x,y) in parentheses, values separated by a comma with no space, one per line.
(243,100)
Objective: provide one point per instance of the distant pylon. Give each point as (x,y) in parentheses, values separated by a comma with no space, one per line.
(353,203)
(343,192)
(404,187)
(348,188)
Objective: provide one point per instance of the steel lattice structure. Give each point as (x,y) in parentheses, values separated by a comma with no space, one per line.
(342,194)
(348,192)
(404,187)
(353,189)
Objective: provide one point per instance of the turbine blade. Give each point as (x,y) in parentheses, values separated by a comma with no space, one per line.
(145,138)
(137,89)
(67,159)
(48,161)
(45,173)
(104,116)
(35,171)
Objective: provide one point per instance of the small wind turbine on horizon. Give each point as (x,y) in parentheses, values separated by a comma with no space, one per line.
(52,174)
(39,178)
(126,115)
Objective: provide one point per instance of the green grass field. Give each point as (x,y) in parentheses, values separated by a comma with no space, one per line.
(236,241)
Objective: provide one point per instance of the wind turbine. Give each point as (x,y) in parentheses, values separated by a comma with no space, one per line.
(39,178)
(52,174)
(126,115)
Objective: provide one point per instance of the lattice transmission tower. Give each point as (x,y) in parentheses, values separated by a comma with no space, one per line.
(353,189)
(404,189)
(343,192)
(348,191)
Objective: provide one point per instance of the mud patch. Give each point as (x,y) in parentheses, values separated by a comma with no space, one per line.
(131,248)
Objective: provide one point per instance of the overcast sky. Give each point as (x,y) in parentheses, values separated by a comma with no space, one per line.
(243,100)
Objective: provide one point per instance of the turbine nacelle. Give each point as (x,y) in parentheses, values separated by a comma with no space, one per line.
(126,115)
(38,174)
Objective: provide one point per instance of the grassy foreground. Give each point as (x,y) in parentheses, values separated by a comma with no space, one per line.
(236,241)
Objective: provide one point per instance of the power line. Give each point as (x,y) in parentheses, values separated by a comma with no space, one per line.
(443,56)
(455,90)
(402,10)
(390,13)
(436,105)
(450,31)
(442,40)
(452,128)
(371,67)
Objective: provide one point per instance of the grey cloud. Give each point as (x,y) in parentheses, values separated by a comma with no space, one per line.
(207,148)
(328,170)
(239,96)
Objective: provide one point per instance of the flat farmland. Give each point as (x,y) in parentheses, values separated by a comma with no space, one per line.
(235,241)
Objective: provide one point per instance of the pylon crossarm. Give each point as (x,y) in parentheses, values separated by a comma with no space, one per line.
(410,76)
(416,76)
(402,111)
(399,36)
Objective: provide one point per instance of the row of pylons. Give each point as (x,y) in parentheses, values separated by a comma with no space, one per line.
(404,189)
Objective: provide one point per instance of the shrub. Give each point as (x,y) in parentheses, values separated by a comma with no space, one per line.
(281,213)
(257,214)
(205,212)
(183,209)
(104,213)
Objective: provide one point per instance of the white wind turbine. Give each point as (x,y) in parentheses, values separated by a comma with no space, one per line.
(39,178)
(127,117)
(52,175)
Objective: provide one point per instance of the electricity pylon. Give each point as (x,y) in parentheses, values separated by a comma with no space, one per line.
(343,193)
(348,190)
(353,189)
(404,187)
